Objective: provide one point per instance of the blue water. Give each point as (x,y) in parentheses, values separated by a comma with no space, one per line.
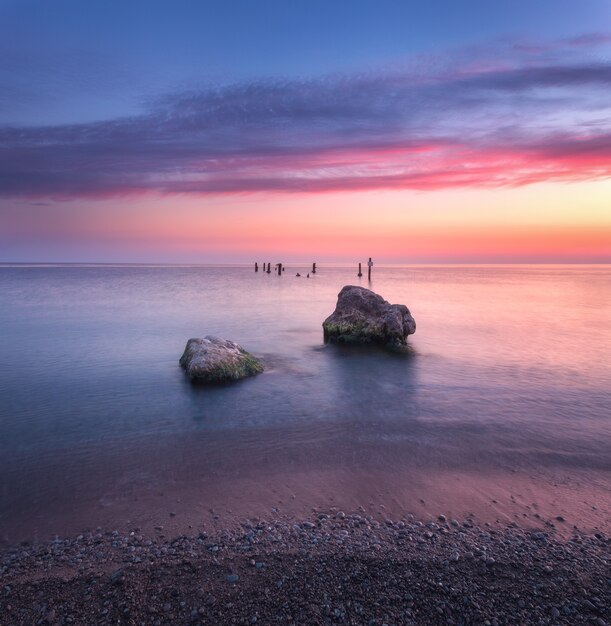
(510,370)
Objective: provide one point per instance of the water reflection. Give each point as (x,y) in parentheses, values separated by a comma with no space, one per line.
(508,371)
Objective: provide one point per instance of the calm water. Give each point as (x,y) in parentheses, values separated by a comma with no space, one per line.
(510,372)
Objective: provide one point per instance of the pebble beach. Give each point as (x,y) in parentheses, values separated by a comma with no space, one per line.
(335,568)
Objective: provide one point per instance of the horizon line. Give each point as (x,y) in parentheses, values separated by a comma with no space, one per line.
(292,264)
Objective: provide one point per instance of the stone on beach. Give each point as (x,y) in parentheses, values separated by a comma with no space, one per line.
(362,316)
(214,360)
(324,571)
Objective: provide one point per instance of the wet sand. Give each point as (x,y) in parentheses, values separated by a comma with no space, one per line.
(534,499)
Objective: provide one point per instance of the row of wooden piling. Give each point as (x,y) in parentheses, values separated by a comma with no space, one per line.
(279,268)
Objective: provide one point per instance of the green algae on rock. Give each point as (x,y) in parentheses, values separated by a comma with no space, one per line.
(214,360)
(364,317)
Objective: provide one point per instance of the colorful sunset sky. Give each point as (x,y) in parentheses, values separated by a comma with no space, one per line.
(199,131)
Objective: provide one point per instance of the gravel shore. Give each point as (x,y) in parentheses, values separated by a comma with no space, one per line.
(331,569)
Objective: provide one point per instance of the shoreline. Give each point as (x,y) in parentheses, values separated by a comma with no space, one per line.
(329,569)
(184,505)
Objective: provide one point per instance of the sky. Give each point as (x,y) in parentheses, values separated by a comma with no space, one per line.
(198,131)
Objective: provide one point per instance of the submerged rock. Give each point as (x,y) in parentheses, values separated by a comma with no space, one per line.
(362,316)
(214,360)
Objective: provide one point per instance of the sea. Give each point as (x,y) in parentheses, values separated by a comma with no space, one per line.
(500,409)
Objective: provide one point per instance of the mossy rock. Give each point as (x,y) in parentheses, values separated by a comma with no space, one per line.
(364,317)
(214,360)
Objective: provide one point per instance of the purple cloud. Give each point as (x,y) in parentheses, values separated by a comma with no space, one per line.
(469,123)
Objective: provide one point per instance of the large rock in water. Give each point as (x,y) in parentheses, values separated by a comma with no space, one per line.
(214,360)
(362,316)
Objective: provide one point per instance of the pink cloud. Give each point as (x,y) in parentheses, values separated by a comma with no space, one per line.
(477,122)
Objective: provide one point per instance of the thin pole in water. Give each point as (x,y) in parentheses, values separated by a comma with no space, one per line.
(256,267)
(369,266)
(360,273)
(313,268)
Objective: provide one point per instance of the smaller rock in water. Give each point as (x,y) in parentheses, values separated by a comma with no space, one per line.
(214,360)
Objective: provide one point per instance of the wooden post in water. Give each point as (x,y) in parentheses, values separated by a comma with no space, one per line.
(268,268)
(360,273)
(369,266)
(256,267)
(279,269)
(313,268)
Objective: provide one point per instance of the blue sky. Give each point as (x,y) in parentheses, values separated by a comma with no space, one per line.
(69,61)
